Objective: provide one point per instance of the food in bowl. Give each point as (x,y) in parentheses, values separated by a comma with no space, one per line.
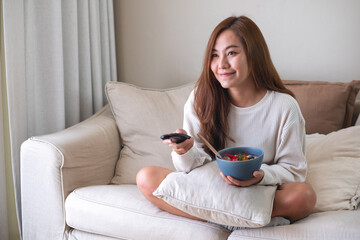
(239,157)
(240,162)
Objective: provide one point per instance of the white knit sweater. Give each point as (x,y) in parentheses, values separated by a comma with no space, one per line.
(275,125)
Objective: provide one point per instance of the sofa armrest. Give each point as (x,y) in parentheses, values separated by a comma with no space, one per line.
(54,165)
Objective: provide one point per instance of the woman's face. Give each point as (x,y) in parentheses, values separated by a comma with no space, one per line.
(229,61)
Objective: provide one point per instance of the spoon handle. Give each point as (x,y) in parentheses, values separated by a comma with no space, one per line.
(209,145)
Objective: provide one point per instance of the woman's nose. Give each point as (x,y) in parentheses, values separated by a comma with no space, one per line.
(223,63)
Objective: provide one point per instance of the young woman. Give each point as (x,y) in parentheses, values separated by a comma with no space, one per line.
(240,100)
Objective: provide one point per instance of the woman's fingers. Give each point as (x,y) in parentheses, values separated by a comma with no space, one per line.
(180,148)
(225,178)
(258,175)
(180,130)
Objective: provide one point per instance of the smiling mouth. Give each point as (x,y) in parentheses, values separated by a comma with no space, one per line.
(226,74)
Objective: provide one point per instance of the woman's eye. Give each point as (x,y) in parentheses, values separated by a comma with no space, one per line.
(231,53)
(214,55)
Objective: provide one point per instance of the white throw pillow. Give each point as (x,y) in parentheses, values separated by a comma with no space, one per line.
(204,194)
(334,169)
(142,116)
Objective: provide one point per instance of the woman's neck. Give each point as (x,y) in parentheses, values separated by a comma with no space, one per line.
(246,97)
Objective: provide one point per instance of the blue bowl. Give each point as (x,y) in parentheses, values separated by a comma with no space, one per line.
(241,170)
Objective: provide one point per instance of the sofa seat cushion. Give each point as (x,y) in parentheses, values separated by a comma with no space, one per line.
(121,211)
(339,225)
(75,234)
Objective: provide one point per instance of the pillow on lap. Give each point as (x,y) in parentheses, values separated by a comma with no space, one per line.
(204,194)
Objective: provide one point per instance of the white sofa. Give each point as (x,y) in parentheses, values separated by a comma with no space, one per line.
(78,183)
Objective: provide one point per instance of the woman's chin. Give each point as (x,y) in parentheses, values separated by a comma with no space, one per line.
(225,84)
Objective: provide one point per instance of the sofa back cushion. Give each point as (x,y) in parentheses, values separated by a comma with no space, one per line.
(326,106)
(142,116)
(333,169)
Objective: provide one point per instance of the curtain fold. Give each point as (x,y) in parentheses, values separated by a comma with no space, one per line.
(58,56)
(4,233)
(3,206)
(14,51)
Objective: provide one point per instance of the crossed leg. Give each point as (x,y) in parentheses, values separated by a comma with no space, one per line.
(148,179)
(293,201)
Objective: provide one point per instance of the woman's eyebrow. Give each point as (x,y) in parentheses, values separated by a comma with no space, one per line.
(230,46)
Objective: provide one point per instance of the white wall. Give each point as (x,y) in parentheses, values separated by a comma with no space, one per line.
(161,43)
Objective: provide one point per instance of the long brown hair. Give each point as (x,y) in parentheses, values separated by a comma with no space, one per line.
(211,102)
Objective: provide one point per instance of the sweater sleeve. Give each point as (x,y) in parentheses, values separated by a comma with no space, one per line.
(196,156)
(289,163)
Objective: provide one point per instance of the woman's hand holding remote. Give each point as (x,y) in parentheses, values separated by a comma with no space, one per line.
(179,147)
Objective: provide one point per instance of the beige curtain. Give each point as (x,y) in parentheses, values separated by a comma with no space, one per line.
(8,221)
(3,201)
(58,56)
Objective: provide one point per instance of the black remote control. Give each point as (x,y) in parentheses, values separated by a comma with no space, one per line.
(175,137)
